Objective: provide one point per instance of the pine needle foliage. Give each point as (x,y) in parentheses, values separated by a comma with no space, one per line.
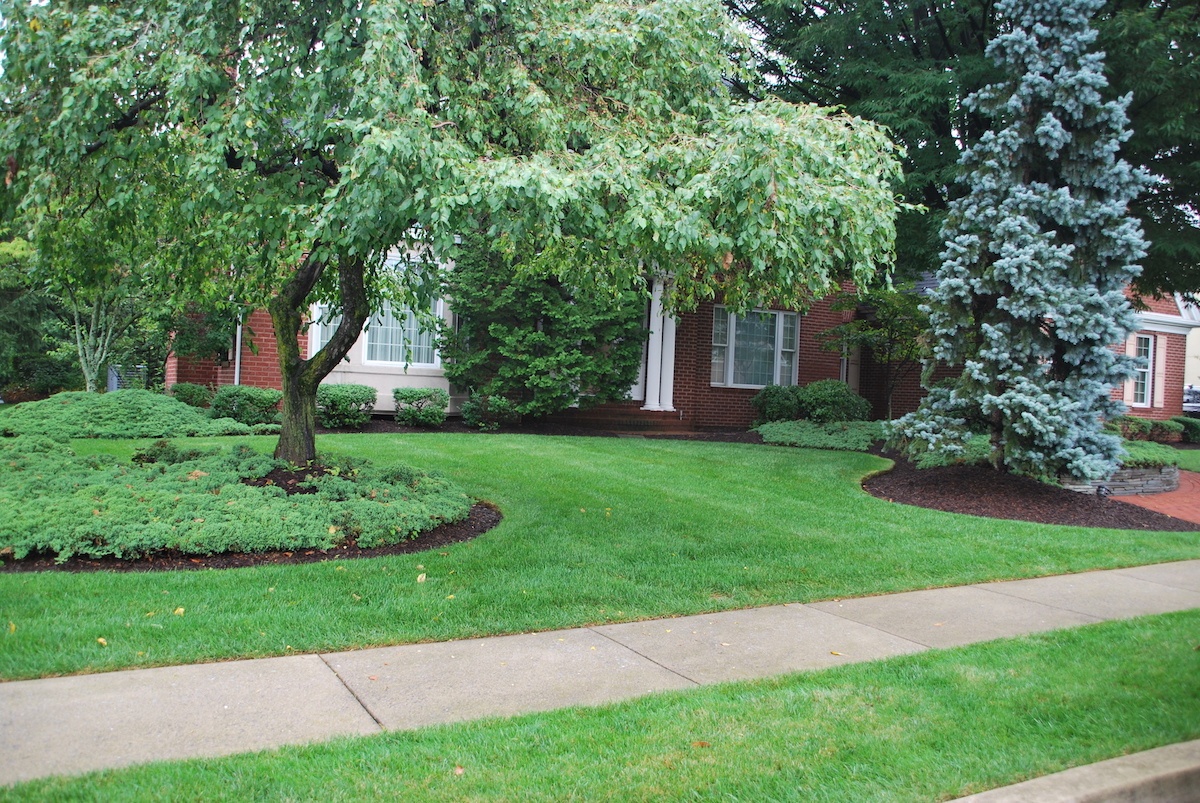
(1038,255)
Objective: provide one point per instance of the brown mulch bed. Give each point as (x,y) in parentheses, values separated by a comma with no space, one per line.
(980,491)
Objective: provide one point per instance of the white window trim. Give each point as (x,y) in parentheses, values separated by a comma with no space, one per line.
(731,348)
(438,311)
(1147,372)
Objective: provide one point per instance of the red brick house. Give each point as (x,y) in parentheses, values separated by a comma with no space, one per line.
(699,371)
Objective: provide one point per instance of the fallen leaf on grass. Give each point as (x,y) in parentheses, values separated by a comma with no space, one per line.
(421,577)
(12,627)
(103,642)
(178,611)
(458,770)
(701,744)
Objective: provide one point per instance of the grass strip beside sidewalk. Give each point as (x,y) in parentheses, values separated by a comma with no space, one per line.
(922,727)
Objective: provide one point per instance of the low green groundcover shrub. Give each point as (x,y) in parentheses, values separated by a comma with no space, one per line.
(1147,454)
(196,503)
(192,394)
(345,405)
(421,407)
(119,414)
(849,436)
(246,404)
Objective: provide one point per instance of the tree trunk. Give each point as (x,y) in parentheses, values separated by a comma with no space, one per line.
(298,435)
(301,377)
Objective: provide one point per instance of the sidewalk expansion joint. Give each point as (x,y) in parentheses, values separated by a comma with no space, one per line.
(909,638)
(674,672)
(353,693)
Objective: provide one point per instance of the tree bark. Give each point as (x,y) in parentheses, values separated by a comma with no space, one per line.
(301,377)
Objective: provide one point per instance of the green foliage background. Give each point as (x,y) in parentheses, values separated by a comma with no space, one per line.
(527,335)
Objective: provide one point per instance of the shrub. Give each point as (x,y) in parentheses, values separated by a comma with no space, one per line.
(1146,454)
(246,404)
(119,414)
(489,412)
(524,333)
(976,452)
(830,400)
(192,394)
(1191,428)
(345,405)
(1133,428)
(64,505)
(776,403)
(850,436)
(421,407)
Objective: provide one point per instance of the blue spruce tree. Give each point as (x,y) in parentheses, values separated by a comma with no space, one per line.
(1038,254)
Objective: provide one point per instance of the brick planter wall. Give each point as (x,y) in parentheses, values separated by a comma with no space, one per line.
(1131,481)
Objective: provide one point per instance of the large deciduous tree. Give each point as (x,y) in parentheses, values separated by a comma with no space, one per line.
(1031,293)
(317,135)
(908,64)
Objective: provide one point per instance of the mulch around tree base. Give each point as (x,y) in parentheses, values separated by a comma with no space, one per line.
(980,491)
(482,518)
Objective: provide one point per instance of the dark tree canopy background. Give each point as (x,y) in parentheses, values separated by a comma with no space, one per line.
(907,64)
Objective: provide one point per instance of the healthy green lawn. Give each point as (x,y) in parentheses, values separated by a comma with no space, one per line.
(924,727)
(595,530)
(1189,459)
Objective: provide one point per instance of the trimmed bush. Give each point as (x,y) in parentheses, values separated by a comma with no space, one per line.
(345,405)
(830,400)
(1133,428)
(1191,428)
(119,414)
(848,436)
(197,503)
(421,407)
(489,412)
(776,403)
(246,404)
(191,394)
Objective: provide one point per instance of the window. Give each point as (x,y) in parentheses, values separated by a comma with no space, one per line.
(755,350)
(397,336)
(322,329)
(1142,384)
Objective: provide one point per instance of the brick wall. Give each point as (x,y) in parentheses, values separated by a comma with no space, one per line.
(259,369)
(708,407)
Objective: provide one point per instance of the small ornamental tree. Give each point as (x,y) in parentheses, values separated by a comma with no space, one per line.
(890,324)
(526,335)
(1031,296)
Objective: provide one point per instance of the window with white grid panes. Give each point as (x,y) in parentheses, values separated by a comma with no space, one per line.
(1142,377)
(754,350)
(398,337)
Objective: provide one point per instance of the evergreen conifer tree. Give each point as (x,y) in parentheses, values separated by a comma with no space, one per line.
(1031,294)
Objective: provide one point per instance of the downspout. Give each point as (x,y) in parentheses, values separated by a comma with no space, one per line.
(237,353)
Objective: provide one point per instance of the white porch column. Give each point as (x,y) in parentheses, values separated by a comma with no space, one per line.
(655,350)
(667,372)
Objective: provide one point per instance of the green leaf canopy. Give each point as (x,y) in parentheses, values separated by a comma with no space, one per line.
(317,135)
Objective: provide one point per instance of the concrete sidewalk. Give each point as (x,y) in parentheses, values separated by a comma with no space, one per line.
(75,724)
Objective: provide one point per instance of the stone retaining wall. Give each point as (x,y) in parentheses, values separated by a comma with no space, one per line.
(1130,481)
